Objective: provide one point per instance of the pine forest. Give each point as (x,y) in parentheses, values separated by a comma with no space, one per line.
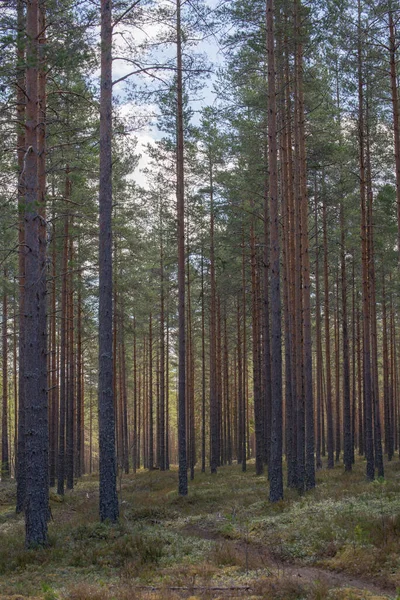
(200,299)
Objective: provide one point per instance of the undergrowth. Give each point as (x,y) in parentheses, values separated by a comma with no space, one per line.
(224,534)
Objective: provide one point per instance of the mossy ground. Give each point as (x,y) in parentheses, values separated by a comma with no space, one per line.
(223,540)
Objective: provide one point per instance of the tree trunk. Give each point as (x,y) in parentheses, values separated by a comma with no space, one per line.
(180,197)
(108,484)
(5,458)
(36,409)
(275,464)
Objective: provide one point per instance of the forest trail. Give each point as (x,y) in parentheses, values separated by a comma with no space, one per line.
(223,540)
(259,554)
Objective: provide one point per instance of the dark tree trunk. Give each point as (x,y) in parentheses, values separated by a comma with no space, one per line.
(367,387)
(329,408)
(35,359)
(108,488)
(347,438)
(20,463)
(275,464)
(70,376)
(203,370)
(180,197)
(63,345)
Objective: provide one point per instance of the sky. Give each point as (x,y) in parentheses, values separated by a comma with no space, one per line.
(150,133)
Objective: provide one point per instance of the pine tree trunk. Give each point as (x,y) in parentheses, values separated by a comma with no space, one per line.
(275,464)
(20,463)
(347,439)
(180,197)
(36,409)
(108,471)
(5,458)
(329,408)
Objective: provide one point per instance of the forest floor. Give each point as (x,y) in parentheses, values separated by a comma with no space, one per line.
(224,540)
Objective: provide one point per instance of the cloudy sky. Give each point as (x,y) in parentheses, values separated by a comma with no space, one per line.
(149,132)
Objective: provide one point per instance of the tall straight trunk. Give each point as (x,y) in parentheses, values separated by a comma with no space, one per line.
(266,327)
(395,109)
(150,396)
(329,408)
(368,438)
(63,343)
(361,416)
(354,440)
(318,342)
(20,462)
(161,442)
(373,317)
(54,399)
(41,174)
(190,374)
(214,435)
(203,370)
(305,266)
(5,458)
(240,434)
(167,461)
(227,396)
(15,380)
(35,374)
(70,368)
(219,382)
(135,401)
(298,288)
(275,463)
(108,500)
(291,406)
(180,198)
(124,398)
(394,379)
(258,413)
(80,445)
(244,370)
(347,438)
(386,377)
(337,374)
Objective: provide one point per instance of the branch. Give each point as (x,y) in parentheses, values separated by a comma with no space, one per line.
(119,19)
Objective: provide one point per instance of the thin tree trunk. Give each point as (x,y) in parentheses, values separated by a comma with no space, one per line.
(180,197)
(275,464)
(347,439)
(329,408)
(5,458)
(20,463)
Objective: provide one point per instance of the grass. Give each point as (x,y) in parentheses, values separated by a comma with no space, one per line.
(223,540)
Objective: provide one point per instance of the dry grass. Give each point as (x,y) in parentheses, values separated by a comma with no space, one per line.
(223,534)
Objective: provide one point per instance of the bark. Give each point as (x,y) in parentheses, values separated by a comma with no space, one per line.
(161,443)
(180,198)
(108,490)
(275,464)
(213,346)
(329,409)
(258,412)
(347,438)
(395,109)
(5,458)
(203,370)
(367,385)
(36,409)
(20,463)
(63,344)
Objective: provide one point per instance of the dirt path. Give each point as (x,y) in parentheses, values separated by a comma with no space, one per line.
(255,555)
